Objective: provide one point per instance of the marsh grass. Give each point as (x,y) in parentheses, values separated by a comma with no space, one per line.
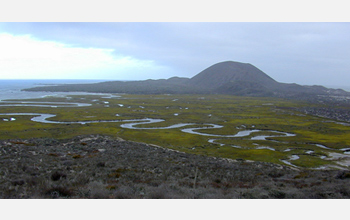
(229,111)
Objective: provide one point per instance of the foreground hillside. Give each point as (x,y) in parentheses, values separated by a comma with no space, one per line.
(102,167)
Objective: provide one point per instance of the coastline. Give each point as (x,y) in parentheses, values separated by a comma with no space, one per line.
(12,89)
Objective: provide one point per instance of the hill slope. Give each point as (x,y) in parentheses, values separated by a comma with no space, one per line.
(130,170)
(220,74)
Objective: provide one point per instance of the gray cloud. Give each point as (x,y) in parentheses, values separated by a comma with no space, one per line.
(304,53)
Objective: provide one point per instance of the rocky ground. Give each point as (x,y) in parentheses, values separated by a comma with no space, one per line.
(99,167)
(340,114)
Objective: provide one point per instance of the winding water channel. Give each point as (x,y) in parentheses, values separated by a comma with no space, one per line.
(191,128)
(43,104)
(133,124)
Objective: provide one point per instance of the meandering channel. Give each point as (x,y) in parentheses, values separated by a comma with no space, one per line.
(132,123)
(43,104)
(191,128)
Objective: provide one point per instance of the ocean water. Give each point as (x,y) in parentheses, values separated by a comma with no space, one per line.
(11,89)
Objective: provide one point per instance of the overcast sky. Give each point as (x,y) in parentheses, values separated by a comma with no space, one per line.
(303,53)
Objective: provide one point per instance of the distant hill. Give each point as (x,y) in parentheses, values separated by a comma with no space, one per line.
(229,77)
(220,74)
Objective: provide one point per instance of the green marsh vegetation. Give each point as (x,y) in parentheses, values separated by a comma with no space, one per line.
(233,113)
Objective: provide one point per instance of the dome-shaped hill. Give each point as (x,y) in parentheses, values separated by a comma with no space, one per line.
(222,73)
(229,77)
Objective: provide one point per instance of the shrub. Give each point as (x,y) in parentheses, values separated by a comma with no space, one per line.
(19,182)
(277,194)
(59,191)
(344,191)
(57,176)
(98,190)
(343,175)
(301,175)
(157,193)
(124,192)
(101,164)
(114,175)
(77,156)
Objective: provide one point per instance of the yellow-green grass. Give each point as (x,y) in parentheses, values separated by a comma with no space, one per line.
(233,113)
(307,161)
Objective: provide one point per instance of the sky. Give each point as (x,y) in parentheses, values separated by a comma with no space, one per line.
(307,53)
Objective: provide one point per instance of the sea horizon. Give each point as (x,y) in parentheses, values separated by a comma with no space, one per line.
(12,88)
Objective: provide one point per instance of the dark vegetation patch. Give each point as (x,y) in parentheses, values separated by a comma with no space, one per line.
(115,169)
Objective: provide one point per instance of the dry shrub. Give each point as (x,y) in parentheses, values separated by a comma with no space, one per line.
(343,175)
(160,192)
(77,156)
(59,191)
(114,175)
(18,182)
(277,194)
(98,190)
(101,164)
(58,176)
(124,192)
(344,191)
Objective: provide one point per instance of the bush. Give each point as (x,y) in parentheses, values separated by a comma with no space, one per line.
(59,191)
(343,175)
(57,176)
(277,194)
(157,193)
